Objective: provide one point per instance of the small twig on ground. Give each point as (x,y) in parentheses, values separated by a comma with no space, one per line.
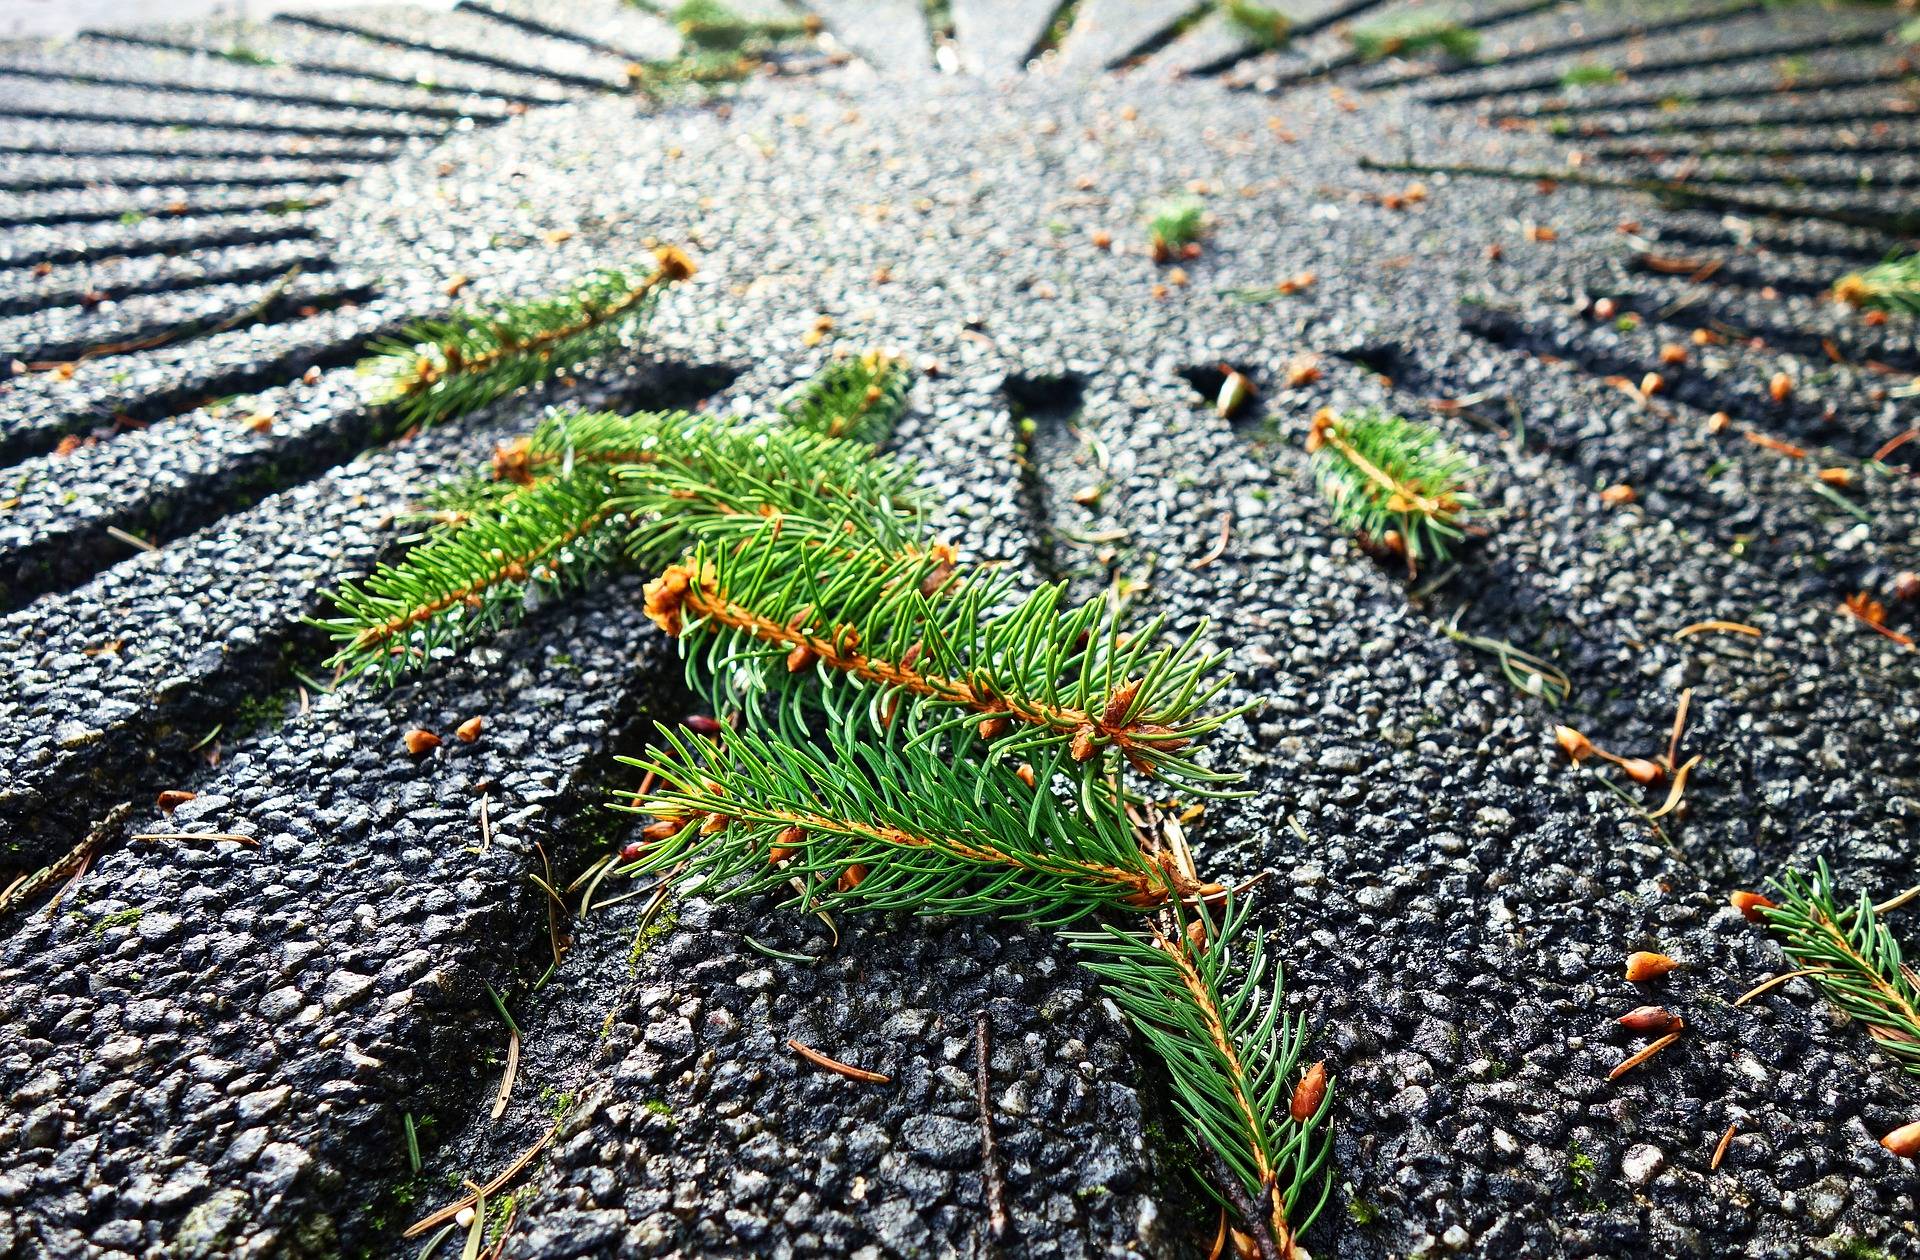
(1250,1216)
(69,867)
(1679,726)
(834,1065)
(1678,789)
(1728,627)
(1764,985)
(1720,1151)
(989,1163)
(1894,903)
(507,1174)
(1219,548)
(226,837)
(132,540)
(1636,1060)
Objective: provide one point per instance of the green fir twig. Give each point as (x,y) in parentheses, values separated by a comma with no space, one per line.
(590,492)
(1892,285)
(1393,481)
(1262,24)
(1853,957)
(1414,34)
(439,368)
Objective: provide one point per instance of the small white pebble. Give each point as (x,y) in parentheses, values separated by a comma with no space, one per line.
(464,1217)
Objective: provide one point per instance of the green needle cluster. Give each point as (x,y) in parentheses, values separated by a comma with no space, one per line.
(589,492)
(1853,958)
(1394,482)
(1892,285)
(436,369)
(901,731)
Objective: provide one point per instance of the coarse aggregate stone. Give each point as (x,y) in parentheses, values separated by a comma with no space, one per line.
(1451,899)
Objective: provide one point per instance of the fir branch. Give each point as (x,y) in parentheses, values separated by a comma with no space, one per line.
(918,829)
(1033,679)
(1388,477)
(651,485)
(1854,959)
(1413,34)
(439,368)
(468,580)
(1892,285)
(711,25)
(1230,1050)
(1174,225)
(859,398)
(1264,25)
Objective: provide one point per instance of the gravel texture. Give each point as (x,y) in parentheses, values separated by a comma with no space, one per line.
(212,1048)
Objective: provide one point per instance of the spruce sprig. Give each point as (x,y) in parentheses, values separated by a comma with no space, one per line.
(1413,34)
(588,491)
(1394,481)
(1231,1050)
(1261,23)
(886,628)
(1892,285)
(889,824)
(438,368)
(1854,959)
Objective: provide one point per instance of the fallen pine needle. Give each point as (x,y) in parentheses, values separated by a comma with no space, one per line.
(1894,903)
(227,836)
(1894,445)
(132,540)
(1720,1151)
(834,1065)
(511,1171)
(513,1069)
(1678,789)
(1775,444)
(1219,1238)
(1646,1054)
(1679,726)
(1764,985)
(1903,640)
(1219,548)
(1726,627)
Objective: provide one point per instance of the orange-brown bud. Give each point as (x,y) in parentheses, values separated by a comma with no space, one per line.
(420,741)
(1649,1020)
(1904,1141)
(852,877)
(1577,746)
(1309,1093)
(994,727)
(1642,771)
(513,461)
(665,595)
(674,262)
(1750,904)
(469,730)
(800,659)
(1024,773)
(172,799)
(1083,747)
(1645,965)
(1119,702)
